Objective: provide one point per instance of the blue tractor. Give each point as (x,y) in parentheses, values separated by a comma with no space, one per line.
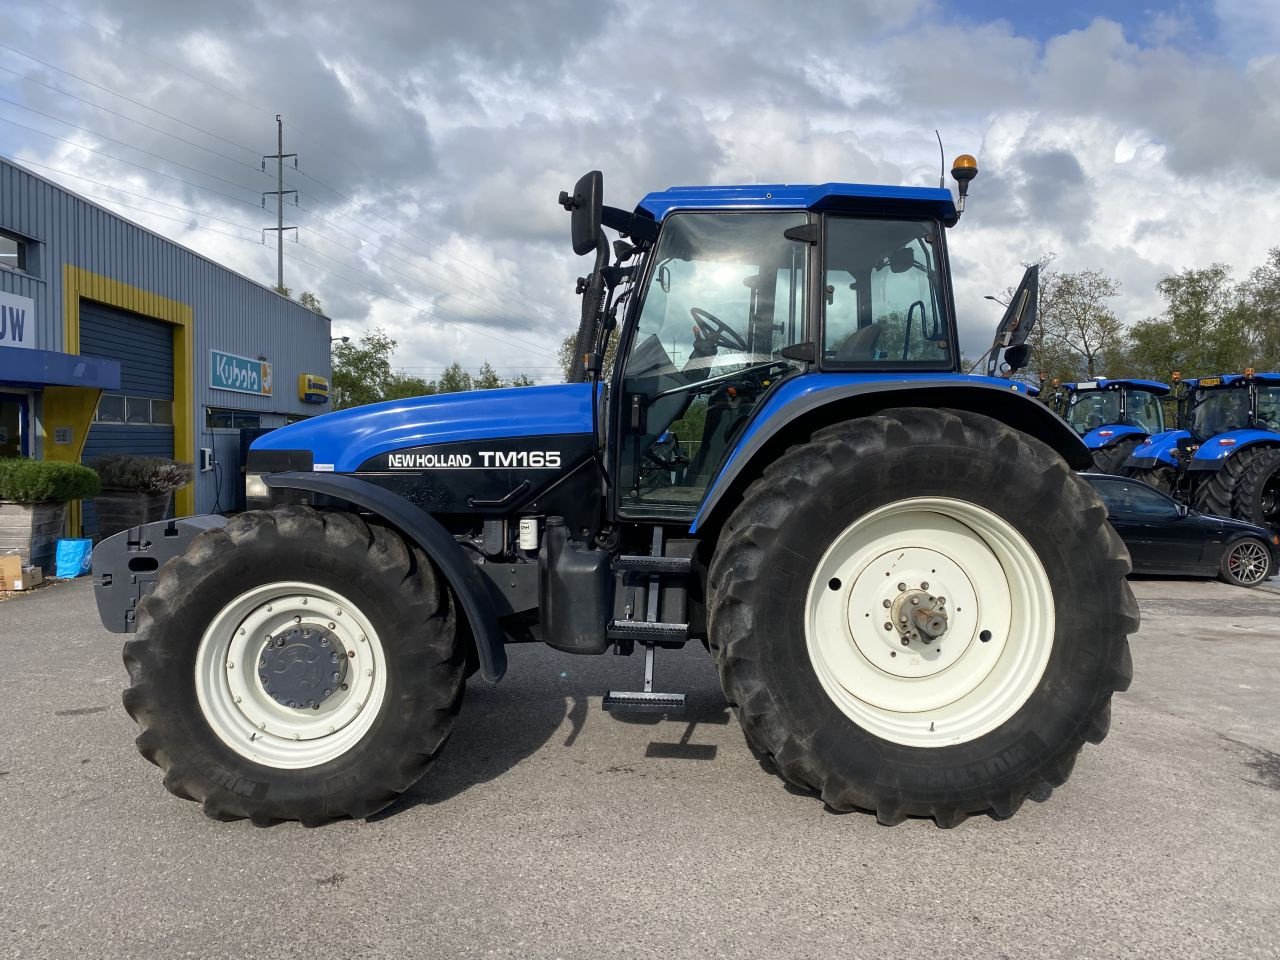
(1224,458)
(916,606)
(1113,416)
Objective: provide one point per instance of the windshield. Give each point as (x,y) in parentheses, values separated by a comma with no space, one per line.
(884,297)
(726,294)
(1093,409)
(1143,410)
(1218,411)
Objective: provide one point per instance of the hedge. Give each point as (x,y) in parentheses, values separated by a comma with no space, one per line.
(36,481)
(141,474)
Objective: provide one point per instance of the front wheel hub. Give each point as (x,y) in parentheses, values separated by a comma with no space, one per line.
(920,616)
(302,666)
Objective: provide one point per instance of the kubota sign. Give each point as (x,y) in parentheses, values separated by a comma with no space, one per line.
(241,374)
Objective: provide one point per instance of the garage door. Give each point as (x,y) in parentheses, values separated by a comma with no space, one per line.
(138,419)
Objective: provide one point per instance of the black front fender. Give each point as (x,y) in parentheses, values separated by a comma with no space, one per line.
(468,584)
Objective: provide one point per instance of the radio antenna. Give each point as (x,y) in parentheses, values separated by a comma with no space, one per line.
(942,162)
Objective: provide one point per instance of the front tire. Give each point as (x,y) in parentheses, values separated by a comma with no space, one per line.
(1111,459)
(1246,487)
(295,665)
(829,547)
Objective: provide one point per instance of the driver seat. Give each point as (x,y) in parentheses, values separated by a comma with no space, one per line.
(861,344)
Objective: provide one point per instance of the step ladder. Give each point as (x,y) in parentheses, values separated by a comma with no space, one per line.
(649,631)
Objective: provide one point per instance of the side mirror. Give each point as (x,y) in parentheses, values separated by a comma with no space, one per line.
(585,205)
(1017,357)
(1184,510)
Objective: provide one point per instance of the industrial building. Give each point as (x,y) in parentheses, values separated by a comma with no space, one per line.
(116,340)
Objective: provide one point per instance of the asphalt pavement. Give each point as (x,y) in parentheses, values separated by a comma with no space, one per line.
(552,829)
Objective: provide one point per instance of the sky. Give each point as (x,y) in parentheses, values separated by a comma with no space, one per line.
(433,138)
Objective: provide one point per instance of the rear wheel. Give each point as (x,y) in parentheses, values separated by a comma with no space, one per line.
(1246,563)
(1111,459)
(295,665)
(921,613)
(1246,487)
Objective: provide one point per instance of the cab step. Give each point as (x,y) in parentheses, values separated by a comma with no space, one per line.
(648,631)
(646,700)
(663,566)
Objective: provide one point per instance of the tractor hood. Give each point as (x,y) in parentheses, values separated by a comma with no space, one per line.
(343,440)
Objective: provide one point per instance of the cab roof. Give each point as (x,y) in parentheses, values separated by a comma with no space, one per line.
(1231,380)
(1103,383)
(864,198)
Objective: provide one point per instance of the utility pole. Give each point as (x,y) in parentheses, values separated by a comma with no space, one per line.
(279,157)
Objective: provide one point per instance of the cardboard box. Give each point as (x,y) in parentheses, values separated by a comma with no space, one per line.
(14,576)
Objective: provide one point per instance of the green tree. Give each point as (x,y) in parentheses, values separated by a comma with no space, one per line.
(1203,330)
(568,361)
(362,370)
(487,378)
(402,386)
(1259,305)
(520,380)
(311,302)
(454,380)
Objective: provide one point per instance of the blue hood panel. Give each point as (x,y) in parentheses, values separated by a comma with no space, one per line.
(343,440)
(1161,447)
(1224,445)
(1111,433)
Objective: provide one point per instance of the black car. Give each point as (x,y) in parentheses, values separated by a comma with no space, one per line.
(1164,536)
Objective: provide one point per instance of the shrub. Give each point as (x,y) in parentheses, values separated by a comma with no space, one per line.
(35,481)
(142,474)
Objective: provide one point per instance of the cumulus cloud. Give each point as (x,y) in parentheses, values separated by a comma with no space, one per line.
(433,139)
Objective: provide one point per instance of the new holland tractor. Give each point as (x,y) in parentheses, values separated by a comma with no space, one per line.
(915,605)
(1113,416)
(1224,458)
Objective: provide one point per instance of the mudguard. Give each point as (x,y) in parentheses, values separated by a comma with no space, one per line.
(1214,452)
(1110,433)
(468,584)
(804,403)
(1158,450)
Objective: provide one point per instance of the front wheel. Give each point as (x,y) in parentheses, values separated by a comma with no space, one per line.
(921,613)
(295,665)
(1112,458)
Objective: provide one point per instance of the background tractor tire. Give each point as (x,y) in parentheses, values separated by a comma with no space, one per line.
(209,723)
(768,582)
(1162,477)
(1111,459)
(1247,487)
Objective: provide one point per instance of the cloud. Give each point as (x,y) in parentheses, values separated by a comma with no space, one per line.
(432,141)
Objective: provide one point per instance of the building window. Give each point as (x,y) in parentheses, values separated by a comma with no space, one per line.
(113,408)
(220,418)
(13,252)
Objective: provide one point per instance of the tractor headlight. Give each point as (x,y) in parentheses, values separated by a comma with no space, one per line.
(256,492)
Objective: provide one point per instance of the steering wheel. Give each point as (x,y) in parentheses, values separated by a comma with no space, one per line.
(716,330)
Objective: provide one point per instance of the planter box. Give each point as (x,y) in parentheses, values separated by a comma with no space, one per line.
(32,530)
(118,510)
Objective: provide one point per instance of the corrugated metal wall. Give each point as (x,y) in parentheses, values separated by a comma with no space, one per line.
(231,313)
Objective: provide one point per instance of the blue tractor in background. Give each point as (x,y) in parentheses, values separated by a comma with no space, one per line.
(1113,416)
(1224,457)
(915,605)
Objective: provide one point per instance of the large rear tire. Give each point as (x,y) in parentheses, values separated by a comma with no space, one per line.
(1246,487)
(827,551)
(1111,459)
(295,665)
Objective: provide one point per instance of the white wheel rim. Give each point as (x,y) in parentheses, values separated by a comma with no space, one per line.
(1248,563)
(999,631)
(235,702)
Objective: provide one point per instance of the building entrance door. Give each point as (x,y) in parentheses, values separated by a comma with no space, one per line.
(14,424)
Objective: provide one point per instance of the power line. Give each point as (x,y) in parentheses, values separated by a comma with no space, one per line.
(123,116)
(311,177)
(132,163)
(101,136)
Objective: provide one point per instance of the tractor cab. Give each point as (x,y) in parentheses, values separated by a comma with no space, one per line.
(1113,416)
(720,294)
(1219,405)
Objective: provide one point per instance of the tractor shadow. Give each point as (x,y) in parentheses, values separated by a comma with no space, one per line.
(548,701)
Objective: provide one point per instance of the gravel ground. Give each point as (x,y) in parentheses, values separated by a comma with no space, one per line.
(552,829)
